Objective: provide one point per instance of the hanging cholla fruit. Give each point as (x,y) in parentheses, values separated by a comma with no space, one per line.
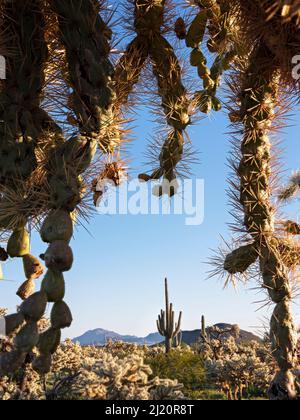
(292,228)
(180,28)
(53,285)
(197,58)
(42,364)
(215,17)
(13,322)
(49,341)
(59,256)
(26,289)
(11,362)
(241,259)
(113,173)
(33,268)
(61,316)
(58,226)
(34,307)
(203,101)
(27,338)
(19,243)
(197,30)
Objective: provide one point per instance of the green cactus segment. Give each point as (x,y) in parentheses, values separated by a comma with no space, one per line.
(241,259)
(27,338)
(34,307)
(58,226)
(33,268)
(166,322)
(19,243)
(258,101)
(21,122)
(171,154)
(13,322)
(54,286)
(213,18)
(167,71)
(197,29)
(49,341)
(61,316)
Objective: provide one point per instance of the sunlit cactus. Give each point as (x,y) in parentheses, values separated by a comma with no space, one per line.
(214,20)
(166,323)
(65,101)
(88,73)
(259,96)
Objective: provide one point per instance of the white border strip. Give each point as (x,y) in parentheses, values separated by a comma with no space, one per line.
(2,327)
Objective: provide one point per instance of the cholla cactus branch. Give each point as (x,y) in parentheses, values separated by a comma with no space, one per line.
(259,100)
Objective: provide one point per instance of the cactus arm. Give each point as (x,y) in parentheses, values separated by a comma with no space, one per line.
(178,325)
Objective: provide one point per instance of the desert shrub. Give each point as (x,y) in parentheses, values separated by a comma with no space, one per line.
(181,364)
(239,370)
(92,373)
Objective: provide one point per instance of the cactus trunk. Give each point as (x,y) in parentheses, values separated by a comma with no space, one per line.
(259,99)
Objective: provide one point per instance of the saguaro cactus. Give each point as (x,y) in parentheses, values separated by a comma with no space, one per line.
(166,324)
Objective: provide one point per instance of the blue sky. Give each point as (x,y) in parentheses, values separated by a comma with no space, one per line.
(117,279)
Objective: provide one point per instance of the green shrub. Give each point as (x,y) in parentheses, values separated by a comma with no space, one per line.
(183,365)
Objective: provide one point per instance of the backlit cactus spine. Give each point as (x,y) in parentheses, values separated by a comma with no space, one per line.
(166,323)
(258,98)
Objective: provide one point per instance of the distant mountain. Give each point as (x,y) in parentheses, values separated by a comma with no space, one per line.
(99,337)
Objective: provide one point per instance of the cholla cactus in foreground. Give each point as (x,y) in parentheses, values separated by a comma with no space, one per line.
(258,97)
(92,373)
(240,367)
(62,162)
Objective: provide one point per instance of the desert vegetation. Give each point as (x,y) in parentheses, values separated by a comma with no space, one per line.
(65,110)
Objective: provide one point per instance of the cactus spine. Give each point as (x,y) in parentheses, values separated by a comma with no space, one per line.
(166,322)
